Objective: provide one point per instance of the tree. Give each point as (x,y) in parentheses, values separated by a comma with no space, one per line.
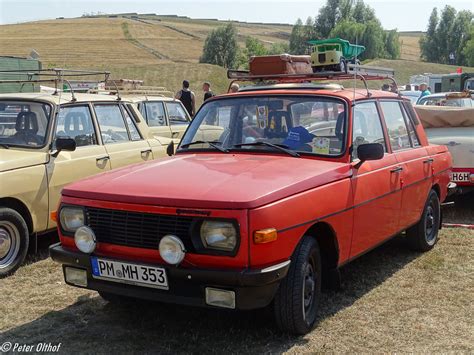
(460,34)
(428,44)
(392,44)
(301,34)
(443,32)
(468,51)
(220,47)
(328,17)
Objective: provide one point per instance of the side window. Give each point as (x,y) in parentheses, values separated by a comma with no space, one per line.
(411,129)
(155,114)
(367,127)
(176,113)
(112,125)
(396,127)
(76,122)
(134,134)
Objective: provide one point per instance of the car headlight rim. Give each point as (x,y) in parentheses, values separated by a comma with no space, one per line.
(218,236)
(172,249)
(85,239)
(71,218)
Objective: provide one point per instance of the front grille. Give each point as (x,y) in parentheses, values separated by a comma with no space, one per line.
(137,229)
(322,57)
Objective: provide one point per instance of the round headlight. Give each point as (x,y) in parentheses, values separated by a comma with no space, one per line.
(218,235)
(85,239)
(71,218)
(172,249)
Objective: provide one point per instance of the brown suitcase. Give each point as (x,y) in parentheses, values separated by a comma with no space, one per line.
(280,64)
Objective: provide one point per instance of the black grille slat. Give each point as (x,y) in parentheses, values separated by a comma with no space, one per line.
(136,229)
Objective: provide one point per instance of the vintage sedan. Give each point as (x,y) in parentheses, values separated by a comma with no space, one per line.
(47,141)
(300,181)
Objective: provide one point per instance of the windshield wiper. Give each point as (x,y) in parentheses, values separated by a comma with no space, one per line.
(280,147)
(213,144)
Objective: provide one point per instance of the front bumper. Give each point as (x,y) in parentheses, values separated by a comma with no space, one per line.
(253,288)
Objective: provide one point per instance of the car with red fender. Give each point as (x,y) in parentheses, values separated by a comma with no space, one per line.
(292,181)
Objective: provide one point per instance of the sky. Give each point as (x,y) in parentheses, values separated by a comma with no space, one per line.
(403,15)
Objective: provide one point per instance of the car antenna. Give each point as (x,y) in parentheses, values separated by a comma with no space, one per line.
(354,91)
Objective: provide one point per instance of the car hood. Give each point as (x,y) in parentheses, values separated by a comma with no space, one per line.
(11,159)
(234,181)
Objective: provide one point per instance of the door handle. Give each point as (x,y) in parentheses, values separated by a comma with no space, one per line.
(146,151)
(428,161)
(105,157)
(397,170)
(174,134)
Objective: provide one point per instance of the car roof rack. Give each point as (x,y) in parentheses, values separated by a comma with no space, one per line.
(361,72)
(143,90)
(55,75)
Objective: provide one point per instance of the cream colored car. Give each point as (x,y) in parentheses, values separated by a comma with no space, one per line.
(44,146)
(166,116)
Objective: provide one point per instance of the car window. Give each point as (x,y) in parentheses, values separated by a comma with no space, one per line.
(111,123)
(24,123)
(411,128)
(304,124)
(396,127)
(155,114)
(76,122)
(367,127)
(132,128)
(176,113)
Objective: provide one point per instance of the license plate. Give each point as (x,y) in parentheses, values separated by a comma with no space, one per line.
(129,273)
(460,177)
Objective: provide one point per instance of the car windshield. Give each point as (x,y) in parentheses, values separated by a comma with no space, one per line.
(305,124)
(23,123)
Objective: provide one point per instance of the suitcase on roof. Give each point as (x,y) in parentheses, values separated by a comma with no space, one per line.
(280,64)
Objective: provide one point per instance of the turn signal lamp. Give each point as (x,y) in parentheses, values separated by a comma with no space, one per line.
(265,236)
(54,216)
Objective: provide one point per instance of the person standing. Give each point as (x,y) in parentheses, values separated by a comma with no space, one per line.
(206,87)
(187,97)
(424,90)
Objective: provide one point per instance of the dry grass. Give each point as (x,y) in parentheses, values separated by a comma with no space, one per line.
(410,47)
(393,300)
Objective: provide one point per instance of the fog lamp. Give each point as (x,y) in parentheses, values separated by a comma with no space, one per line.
(75,276)
(220,298)
(172,249)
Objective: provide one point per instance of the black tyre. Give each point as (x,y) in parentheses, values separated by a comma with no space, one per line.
(14,241)
(343,66)
(297,299)
(424,235)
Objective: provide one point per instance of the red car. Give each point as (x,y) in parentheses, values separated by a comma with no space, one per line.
(271,191)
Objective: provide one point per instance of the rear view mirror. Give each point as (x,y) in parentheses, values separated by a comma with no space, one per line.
(370,151)
(64,143)
(170,149)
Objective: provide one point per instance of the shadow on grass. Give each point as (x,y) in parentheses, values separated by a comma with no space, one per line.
(92,325)
(40,251)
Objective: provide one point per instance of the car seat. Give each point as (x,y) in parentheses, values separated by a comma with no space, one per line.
(77,126)
(27,127)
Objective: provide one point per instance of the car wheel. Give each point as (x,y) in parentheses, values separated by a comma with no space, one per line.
(14,241)
(424,235)
(297,299)
(343,66)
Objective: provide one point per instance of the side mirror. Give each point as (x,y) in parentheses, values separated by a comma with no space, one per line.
(170,149)
(64,143)
(370,151)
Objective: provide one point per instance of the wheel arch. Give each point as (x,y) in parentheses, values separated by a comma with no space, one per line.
(436,189)
(21,208)
(324,233)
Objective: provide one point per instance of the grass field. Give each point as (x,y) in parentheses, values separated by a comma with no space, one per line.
(392,300)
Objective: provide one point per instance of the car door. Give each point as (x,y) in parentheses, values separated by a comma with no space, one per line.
(178,118)
(375,184)
(413,159)
(155,116)
(89,158)
(123,142)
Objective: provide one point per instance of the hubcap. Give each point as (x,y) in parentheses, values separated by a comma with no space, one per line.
(430,221)
(309,285)
(9,243)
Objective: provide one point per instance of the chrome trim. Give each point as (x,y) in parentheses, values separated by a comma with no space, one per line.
(275,267)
